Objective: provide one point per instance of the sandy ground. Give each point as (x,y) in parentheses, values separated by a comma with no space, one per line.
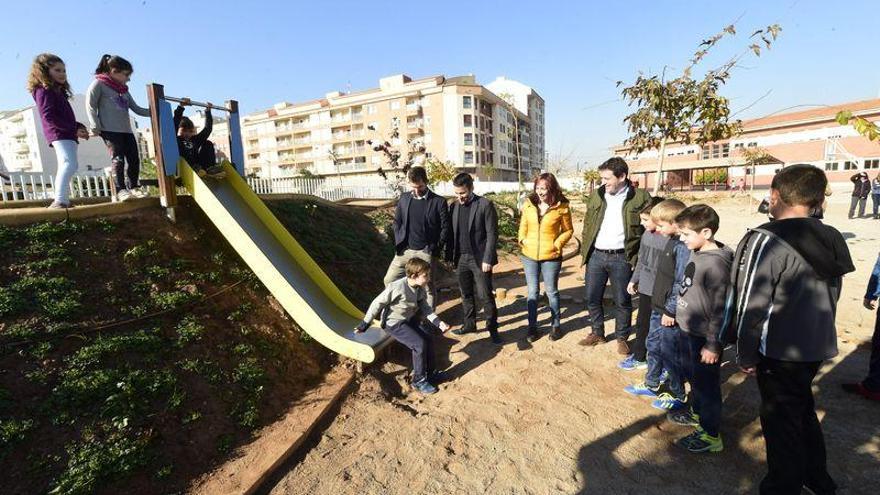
(554,418)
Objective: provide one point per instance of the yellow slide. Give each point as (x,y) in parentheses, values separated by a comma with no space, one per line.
(285,268)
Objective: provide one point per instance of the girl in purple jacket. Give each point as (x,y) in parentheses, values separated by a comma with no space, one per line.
(47,82)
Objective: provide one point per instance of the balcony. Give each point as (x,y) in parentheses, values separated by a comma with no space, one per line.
(413,108)
(342,136)
(22,148)
(357,117)
(18,131)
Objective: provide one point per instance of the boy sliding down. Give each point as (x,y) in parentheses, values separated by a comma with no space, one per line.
(700,316)
(195,147)
(406,302)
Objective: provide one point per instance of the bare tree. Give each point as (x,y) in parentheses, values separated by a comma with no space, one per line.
(684,109)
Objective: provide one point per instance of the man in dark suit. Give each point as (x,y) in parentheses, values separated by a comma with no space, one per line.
(472,248)
(421,224)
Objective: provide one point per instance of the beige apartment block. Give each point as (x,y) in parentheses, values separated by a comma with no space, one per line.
(455,119)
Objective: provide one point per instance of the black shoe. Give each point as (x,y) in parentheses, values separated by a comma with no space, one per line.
(555,334)
(523,345)
(437,377)
(532,335)
(463,330)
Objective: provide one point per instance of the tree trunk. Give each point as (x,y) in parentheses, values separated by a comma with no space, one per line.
(660,166)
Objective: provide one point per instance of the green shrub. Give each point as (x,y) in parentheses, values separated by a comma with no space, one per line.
(95,460)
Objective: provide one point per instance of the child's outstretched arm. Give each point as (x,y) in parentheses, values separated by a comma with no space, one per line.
(381,301)
(202,136)
(425,308)
(143,112)
(178,116)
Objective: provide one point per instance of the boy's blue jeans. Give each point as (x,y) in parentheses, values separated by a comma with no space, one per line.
(705,380)
(663,345)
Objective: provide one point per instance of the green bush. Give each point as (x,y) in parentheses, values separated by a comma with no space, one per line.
(94,460)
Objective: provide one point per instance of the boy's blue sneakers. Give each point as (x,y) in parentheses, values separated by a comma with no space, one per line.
(642,389)
(631,364)
(424,386)
(667,402)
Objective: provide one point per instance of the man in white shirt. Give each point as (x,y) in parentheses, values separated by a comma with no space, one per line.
(610,248)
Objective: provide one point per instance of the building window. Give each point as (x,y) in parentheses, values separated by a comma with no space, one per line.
(428,121)
(466,101)
(469,157)
(848,165)
(468,121)
(705,153)
(830,166)
(875,163)
(395,122)
(429,155)
(725,150)
(395,105)
(468,139)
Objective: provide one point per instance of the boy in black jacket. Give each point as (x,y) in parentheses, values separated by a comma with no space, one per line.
(195,147)
(787,277)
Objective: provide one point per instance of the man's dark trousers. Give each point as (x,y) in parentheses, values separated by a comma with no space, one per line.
(792,433)
(474,281)
(602,267)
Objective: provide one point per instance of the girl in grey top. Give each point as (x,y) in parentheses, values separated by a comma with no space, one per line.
(107,103)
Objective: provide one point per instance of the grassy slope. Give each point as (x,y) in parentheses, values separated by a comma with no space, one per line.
(150,404)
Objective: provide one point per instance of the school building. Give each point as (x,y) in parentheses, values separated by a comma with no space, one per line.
(448,118)
(808,136)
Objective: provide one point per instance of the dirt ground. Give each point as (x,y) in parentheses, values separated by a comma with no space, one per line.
(554,418)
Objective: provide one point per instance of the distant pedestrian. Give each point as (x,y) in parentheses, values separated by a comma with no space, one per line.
(875,195)
(108,102)
(861,189)
(47,83)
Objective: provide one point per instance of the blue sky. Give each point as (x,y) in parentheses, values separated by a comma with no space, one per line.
(572,52)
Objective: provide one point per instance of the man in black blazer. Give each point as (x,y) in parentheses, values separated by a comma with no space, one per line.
(421,225)
(473,249)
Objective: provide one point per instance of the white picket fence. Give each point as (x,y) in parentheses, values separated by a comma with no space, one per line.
(23,186)
(329,189)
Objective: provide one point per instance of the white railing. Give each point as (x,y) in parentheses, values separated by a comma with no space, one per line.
(24,186)
(332,189)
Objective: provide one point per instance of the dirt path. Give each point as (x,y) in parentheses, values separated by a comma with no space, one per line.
(554,418)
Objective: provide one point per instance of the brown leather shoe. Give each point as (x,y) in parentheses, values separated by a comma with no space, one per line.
(622,347)
(592,340)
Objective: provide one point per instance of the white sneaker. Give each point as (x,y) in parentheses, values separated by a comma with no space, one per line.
(123,195)
(140,192)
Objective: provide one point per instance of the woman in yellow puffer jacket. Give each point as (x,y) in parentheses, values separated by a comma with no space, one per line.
(544,229)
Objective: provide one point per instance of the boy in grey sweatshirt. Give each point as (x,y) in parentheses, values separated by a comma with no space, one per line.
(700,316)
(406,300)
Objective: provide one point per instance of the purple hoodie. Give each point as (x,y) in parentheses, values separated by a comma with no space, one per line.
(57,116)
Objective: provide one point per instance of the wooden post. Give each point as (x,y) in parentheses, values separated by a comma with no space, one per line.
(167,189)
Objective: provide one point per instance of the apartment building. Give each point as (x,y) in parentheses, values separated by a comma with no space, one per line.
(454,119)
(23,147)
(809,136)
